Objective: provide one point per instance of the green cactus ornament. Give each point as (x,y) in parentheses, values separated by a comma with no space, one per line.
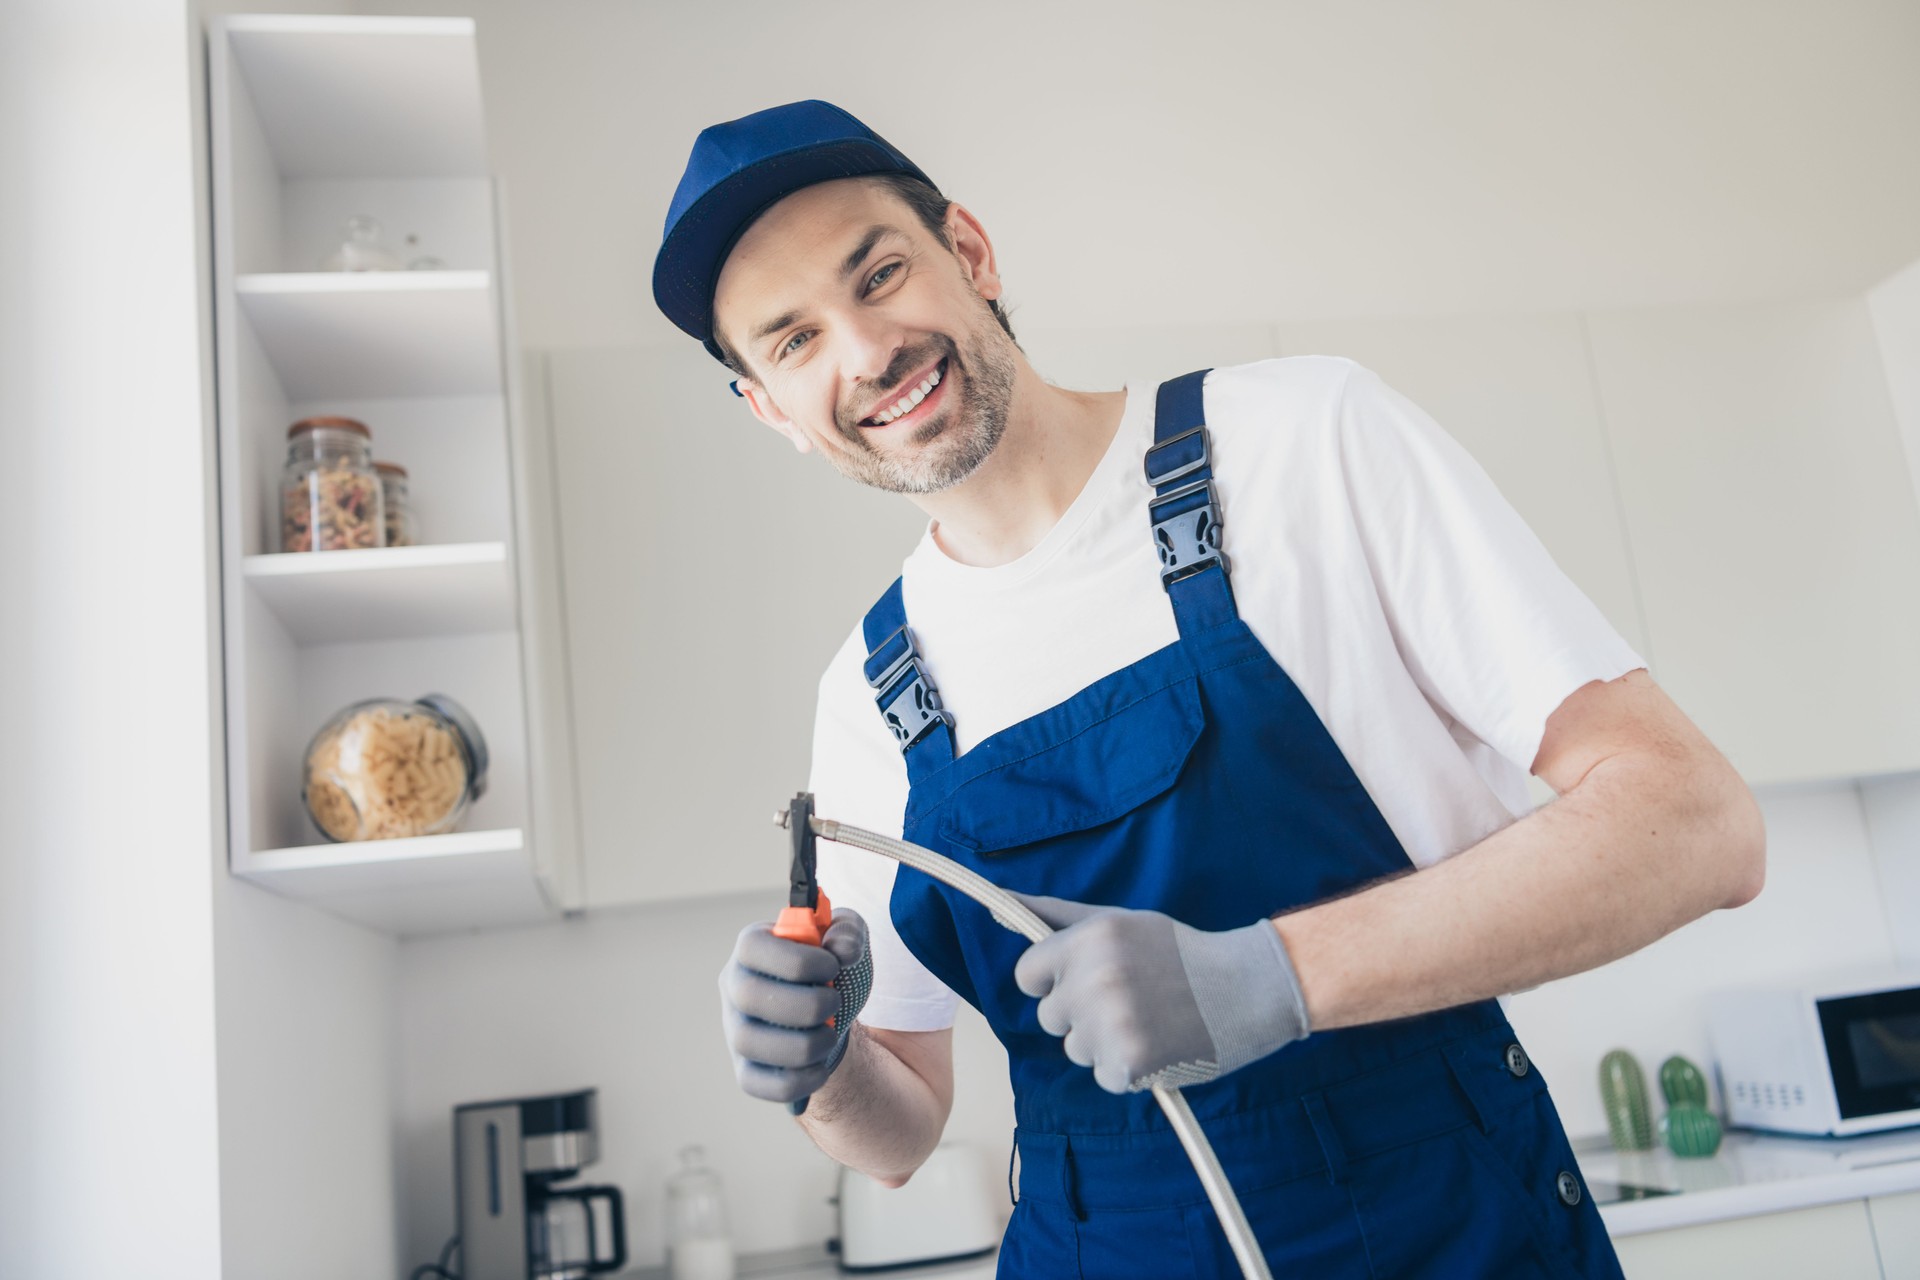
(1690,1131)
(1681,1083)
(1623,1095)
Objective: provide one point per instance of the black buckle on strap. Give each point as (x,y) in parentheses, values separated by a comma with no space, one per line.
(1158,478)
(1188,539)
(907,699)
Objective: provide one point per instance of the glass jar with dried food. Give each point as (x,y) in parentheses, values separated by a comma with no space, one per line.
(399,505)
(329,492)
(384,769)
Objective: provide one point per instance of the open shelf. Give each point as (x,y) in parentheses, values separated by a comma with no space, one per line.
(383,593)
(375,333)
(313,121)
(422,885)
(364,97)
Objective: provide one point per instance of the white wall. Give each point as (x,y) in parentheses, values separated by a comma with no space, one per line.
(108,1159)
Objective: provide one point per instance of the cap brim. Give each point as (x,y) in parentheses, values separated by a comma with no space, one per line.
(692,254)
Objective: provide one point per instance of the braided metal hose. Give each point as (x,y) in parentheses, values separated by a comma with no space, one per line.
(1013,914)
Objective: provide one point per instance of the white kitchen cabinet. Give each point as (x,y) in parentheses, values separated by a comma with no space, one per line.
(1775,536)
(1832,1242)
(1517,392)
(1896,1231)
(710,573)
(1103,359)
(313,120)
(1894,304)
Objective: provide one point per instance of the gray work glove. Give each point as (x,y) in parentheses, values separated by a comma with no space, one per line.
(775,1002)
(1146,1000)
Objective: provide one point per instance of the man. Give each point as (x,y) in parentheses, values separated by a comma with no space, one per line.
(1236,677)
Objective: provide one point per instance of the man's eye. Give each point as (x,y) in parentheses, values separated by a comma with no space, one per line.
(797,341)
(881,276)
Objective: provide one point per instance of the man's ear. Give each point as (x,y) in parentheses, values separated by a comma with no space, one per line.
(770,413)
(975,251)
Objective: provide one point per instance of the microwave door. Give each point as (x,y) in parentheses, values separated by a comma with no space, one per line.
(1873,1049)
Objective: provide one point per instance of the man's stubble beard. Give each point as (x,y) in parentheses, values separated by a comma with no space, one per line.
(951,447)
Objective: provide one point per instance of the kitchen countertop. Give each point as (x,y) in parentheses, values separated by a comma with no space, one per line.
(815,1263)
(1752,1173)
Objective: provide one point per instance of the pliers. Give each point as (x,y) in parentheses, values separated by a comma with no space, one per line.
(808,913)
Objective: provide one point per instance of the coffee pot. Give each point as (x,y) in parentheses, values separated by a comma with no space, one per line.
(516,1219)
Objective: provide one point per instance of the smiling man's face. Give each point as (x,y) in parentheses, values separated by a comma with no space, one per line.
(843,308)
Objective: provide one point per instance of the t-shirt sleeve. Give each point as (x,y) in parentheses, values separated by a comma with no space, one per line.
(860,778)
(1493,632)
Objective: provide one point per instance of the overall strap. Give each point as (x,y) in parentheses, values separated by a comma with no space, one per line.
(1185,510)
(907,699)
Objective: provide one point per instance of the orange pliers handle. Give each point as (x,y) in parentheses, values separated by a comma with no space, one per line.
(805,924)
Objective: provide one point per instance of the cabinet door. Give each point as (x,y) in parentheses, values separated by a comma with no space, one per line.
(1896,1230)
(1773,528)
(709,575)
(1832,1242)
(1104,359)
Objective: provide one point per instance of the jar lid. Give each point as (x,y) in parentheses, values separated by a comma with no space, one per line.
(335,424)
(469,731)
(390,468)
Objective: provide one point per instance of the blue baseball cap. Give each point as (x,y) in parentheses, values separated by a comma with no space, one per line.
(736,172)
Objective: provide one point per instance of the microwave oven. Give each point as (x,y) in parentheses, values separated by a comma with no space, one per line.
(1839,1056)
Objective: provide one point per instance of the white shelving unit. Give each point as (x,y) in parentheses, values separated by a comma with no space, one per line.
(316,119)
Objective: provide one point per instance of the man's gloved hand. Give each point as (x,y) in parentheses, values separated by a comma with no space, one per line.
(1146,1000)
(775,1002)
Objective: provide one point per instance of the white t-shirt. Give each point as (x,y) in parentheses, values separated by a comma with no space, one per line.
(1371,556)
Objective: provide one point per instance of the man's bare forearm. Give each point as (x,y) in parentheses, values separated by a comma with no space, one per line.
(883,1110)
(1643,845)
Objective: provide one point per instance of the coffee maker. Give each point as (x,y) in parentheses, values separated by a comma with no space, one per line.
(515,1221)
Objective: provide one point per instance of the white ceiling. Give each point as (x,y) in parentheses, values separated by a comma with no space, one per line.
(1220,161)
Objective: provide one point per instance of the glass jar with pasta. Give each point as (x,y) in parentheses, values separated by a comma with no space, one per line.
(384,769)
(330,496)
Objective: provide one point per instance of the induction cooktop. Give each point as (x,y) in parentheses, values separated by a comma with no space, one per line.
(1605,1192)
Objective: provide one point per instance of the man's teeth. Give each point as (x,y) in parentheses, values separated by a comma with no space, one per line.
(908,402)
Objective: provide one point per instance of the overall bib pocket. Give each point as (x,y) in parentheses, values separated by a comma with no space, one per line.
(1093,774)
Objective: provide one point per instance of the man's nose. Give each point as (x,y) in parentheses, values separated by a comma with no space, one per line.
(872,342)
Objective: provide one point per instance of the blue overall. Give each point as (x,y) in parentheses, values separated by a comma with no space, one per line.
(1199,782)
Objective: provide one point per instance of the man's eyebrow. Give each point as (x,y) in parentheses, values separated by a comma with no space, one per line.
(775,325)
(875,234)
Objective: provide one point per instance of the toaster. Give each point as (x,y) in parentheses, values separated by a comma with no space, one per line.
(945,1212)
